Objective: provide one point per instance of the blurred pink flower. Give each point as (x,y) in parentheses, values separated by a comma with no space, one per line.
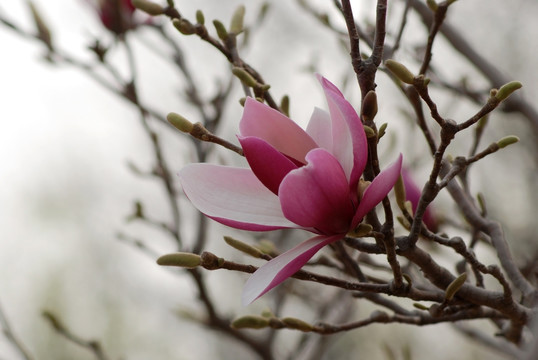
(297,179)
(116,15)
(413,194)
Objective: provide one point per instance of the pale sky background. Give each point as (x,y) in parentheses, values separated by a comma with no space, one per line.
(66,189)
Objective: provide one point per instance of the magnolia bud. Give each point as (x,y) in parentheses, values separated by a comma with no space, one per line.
(285,105)
(200,18)
(507,140)
(400,71)
(250,322)
(148,7)
(370,133)
(507,89)
(399,191)
(244,76)
(241,246)
(381,130)
(184,26)
(297,324)
(455,286)
(179,122)
(369,106)
(181,259)
(221,30)
(236,25)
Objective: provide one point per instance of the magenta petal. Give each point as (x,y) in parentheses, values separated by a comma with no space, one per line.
(317,194)
(233,196)
(282,267)
(378,189)
(283,134)
(413,194)
(268,164)
(350,146)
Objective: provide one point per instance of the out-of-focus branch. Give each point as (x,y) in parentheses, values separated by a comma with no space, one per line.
(12,338)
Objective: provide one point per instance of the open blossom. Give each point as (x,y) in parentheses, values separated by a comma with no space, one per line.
(413,194)
(297,179)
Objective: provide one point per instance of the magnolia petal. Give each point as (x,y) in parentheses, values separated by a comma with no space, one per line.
(283,134)
(282,267)
(233,196)
(268,164)
(350,145)
(413,194)
(317,194)
(378,189)
(319,128)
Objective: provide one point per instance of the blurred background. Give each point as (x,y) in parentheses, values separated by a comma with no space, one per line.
(68,148)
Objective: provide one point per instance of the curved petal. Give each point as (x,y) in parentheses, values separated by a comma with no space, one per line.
(268,164)
(319,128)
(233,196)
(350,146)
(279,131)
(413,194)
(378,189)
(282,267)
(317,195)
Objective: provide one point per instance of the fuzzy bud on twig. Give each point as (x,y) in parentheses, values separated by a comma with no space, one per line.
(181,259)
(507,89)
(221,30)
(297,324)
(179,122)
(369,106)
(507,140)
(148,7)
(236,25)
(200,18)
(250,322)
(400,71)
(455,286)
(243,247)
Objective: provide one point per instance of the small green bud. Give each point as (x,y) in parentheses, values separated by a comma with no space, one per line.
(507,140)
(403,221)
(369,106)
(184,26)
(507,89)
(399,191)
(285,105)
(370,133)
(420,306)
(409,207)
(481,202)
(243,247)
(400,71)
(148,7)
(482,123)
(236,25)
(179,122)
(244,76)
(250,322)
(455,286)
(221,30)
(361,230)
(181,259)
(267,246)
(297,324)
(200,18)
(381,130)
(408,278)
(242,101)
(432,5)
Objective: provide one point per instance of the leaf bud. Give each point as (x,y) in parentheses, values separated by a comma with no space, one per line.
(243,247)
(244,76)
(381,130)
(184,26)
(370,133)
(181,259)
(200,18)
(285,105)
(361,230)
(221,30)
(400,71)
(250,322)
(148,7)
(399,191)
(432,5)
(455,286)
(507,140)
(297,324)
(179,122)
(236,25)
(507,89)
(369,106)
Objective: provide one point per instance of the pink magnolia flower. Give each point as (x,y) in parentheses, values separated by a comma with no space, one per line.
(297,179)
(413,193)
(116,15)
